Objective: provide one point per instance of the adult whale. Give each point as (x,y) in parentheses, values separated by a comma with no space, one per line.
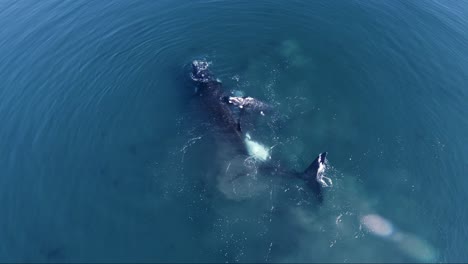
(219,106)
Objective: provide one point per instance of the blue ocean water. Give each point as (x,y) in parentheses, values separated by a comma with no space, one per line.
(106,156)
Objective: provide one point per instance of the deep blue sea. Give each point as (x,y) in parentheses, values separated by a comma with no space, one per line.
(107,156)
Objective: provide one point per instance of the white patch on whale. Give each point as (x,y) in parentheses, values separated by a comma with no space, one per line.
(256,150)
(321,178)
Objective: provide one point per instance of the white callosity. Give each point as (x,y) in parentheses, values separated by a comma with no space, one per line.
(249,103)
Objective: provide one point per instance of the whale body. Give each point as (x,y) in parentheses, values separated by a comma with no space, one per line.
(218,105)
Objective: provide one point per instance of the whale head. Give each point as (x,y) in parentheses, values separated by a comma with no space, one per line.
(200,72)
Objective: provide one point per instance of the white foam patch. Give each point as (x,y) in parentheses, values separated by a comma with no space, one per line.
(257,150)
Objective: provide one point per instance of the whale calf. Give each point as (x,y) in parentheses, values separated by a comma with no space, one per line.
(219,106)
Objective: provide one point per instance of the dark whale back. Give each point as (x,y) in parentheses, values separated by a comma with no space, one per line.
(211,94)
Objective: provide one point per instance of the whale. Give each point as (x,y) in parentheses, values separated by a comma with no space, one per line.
(221,108)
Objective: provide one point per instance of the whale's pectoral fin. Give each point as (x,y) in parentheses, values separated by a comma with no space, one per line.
(317,166)
(313,175)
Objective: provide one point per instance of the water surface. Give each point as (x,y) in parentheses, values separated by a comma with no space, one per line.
(106,157)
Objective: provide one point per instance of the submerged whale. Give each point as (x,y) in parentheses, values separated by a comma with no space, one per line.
(219,105)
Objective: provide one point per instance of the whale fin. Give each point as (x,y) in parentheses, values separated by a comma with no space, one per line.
(316,166)
(314,173)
